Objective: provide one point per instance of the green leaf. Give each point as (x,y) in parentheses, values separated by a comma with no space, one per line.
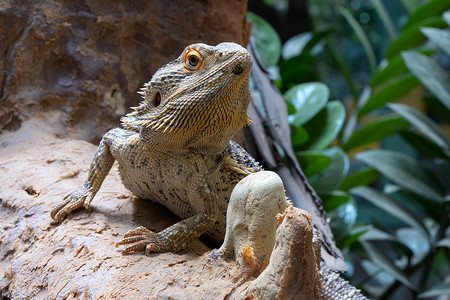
(361,36)
(422,123)
(334,199)
(424,145)
(430,74)
(436,108)
(303,42)
(444,243)
(385,18)
(342,67)
(376,131)
(364,176)
(391,189)
(355,234)
(386,264)
(298,69)
(330,178)
(395,67)
(299,136)
(374,271)
(375,234)
(267,40)
(440,37)
(404,171)
(307,99)
(390,206)
(352,122)
(412,36)
(391,93)
(429,9)
(295,45)
(443,169)
(315,44)
(269,2)
(325,126)
(438,290)
(446,17)
(342,219)
(410,5)
(423,207)
(416,241)
(312,162)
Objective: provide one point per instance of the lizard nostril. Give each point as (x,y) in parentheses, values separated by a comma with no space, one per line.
(220,54)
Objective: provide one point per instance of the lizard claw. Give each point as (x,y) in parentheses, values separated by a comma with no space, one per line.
(82,196)
(143,238)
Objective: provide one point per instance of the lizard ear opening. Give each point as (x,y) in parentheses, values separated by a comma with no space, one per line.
(157,99)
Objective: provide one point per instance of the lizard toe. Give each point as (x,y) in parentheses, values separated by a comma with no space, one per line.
(141,238)
(58,213)
(139,231)
(78,198)
(138,246)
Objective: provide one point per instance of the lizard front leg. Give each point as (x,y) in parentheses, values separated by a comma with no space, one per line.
(83,195)
(176,237)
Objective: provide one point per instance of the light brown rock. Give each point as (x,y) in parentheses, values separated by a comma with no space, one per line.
(293,271)
(251,216)
(78,258)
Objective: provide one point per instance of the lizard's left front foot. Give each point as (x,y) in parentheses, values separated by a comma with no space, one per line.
(143,238)
(82,196)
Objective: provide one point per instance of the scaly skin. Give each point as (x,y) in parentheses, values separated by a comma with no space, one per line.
(180,137)
(176,148)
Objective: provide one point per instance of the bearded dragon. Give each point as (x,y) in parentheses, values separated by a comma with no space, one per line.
(176,148)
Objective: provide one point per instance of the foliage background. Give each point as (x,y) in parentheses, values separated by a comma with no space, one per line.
(368,92)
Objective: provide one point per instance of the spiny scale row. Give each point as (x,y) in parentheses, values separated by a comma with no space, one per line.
(336,288)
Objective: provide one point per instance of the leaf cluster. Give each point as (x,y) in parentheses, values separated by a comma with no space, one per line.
(343,152)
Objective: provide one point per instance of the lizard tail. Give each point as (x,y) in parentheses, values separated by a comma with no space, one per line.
(336,288)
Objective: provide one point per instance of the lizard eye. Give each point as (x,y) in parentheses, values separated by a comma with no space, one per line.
(193,60)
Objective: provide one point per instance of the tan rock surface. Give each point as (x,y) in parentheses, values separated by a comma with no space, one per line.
(78,258)
(257,195)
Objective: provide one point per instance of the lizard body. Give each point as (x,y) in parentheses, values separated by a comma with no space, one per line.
(176,148)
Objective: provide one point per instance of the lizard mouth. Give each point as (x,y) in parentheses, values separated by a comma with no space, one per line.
(238,70)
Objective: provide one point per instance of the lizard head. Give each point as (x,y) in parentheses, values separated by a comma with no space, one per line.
(198,101)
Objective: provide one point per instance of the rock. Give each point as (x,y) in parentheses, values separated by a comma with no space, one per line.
(251,216)
(78,65)
(293,271)
(78,258)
